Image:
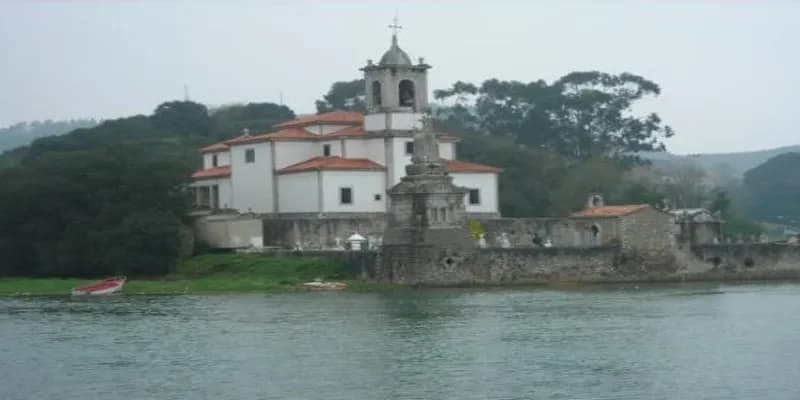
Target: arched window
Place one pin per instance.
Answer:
(406, 92)
(376, 93)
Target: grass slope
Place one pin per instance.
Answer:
(211, 273)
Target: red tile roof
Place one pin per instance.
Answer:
(211, 173)
(283, 134)
(331, 118)
(333, 163)
(350, 131)
(609, 211)
(468, 167)
(214, 148)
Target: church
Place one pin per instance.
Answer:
(342, 162)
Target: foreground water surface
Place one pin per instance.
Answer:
(704, 341)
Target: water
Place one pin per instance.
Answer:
(653, 342)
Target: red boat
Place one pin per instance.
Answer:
(107, 286)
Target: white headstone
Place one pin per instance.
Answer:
(482, 241)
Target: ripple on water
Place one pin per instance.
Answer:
(702, 341)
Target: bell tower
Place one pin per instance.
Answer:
(396, 90)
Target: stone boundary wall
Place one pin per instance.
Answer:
(526, 266)
(744, 261)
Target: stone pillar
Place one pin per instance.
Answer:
(426, 240)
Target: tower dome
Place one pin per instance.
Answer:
(395, 55)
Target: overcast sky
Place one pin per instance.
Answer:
(729, 70)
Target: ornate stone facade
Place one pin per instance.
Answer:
(426, 225)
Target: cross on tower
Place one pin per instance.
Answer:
(395, 26)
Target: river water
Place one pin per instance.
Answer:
(693, 341)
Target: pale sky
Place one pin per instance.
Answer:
(729, 70)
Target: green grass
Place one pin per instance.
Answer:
(213, 273)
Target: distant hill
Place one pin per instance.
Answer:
(733, 163)
(23, 133)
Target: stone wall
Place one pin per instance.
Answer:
(521, 231)
(228, 231)
(648, 237)
(745, 261)
(426, 266)
(313, 232)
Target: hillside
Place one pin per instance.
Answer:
(23, 133)
(733, 163)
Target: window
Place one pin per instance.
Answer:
(214, 160)
(474, 196)
(409, 148)
(377, 197)
(326, 150)
(376, 94)
(346, 195)
(250, 155)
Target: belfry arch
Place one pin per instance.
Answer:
(376, 94)
(406, 93)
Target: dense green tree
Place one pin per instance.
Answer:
(343, 96)
(593, 176)
(582, 114)
(232, 120)
(69, 213)
(721, 203)
(182, 117)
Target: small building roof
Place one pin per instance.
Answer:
(333, 163)
(609, 211)
(283, 134)
(330, 118)
(214, 148)
(468, 167)
(350, 131)
(213, 173)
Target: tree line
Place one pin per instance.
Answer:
(113, 199)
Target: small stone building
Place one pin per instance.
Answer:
(639, 229)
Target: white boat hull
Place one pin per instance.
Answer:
(106, 287)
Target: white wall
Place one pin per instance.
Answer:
(402, 121)
(377, 150)
(400, 158)
(223, 158)
(288, 153)
(486, 183)
(298, 192)
(336, 147)
(447, 151)
(324, 129)
(252, 182)
(365, 185)
(371, 148)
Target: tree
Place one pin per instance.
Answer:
(343, 95)
(182, 117)
(581, 115)
(593, 176)
(686, 186)
(721, 203)
(232, 120)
